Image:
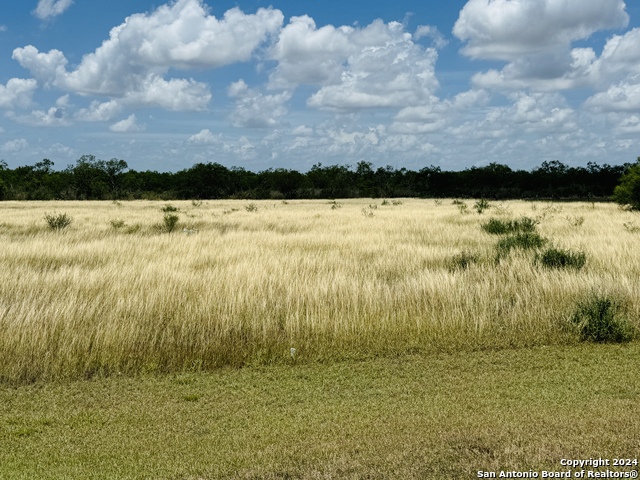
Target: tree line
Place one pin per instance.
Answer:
(94, 179)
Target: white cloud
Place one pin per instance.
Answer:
(506, 30)
(51, 8)
(254, 109)
(624, 97)
(53, 117)
(539, 52)
(203, 137)
(433, 33)
(3, 28)
(302, 131)
(128, 125)
(17, 92)
(131, 64)
(345, 62)
(14, 146)
(99, 112)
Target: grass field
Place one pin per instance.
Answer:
(436, 417)
(425, 347)
(241, 283)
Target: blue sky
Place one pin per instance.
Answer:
(289, 84)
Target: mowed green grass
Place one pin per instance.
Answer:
(428, 416)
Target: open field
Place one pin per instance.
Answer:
(241, 283)
(437, 417)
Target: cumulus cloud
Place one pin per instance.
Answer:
(254, 109)
(17, 92)
(132, 63)
(539, 52)
(203, 137)
(14, 146)
(99, 111)
(622, 97)
(433, 33)
(346, 63)
(505, 30)
(53, 117)
(128, 125)
(51, 8)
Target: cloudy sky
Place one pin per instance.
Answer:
(290, 83)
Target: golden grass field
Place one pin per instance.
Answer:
(233, 287)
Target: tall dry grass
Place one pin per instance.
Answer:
(245, 286)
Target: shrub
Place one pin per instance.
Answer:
(598, 320)
(463, 260)
(170, 222)
(252, 207)
(558, 258)
(496, 226)
(169, 208)
(117, 223)
(481, 205)
(522, 241)
(58, 221)
(627, 193)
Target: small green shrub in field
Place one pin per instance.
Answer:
(598, 320)
(495, 226)
(481, 205)
(252, 207)
(559, 258)
(385, 202)
(520, 241)
(196, 203)
(170, 222)
(462, 261)
(117, 223)
(58, 221)
(168, 208)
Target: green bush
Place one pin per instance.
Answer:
(169, 208)
(462, 261)
(559, 258)
(481, 205)
(117, 223)
(598, 320)
(252, 207)
(627, 193)
(170, 222)
(521, 241)
(58, 221)
(496, 226)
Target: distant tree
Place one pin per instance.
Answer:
(628, 191)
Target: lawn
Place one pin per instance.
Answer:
(440, 416)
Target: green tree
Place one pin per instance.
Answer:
(628, 191)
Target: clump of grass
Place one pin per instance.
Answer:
(481, 205)
(631, 227)
(519, 241)
(252, 207)
(117, 223)
(396, 202)
(168, 208)
(575, 221)
(385, 202)
(559, 258)
(368, 211)
(496, 226)
(598, 320)
(57, 221)
(170, 222)
(463, 260)
(196, 203)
